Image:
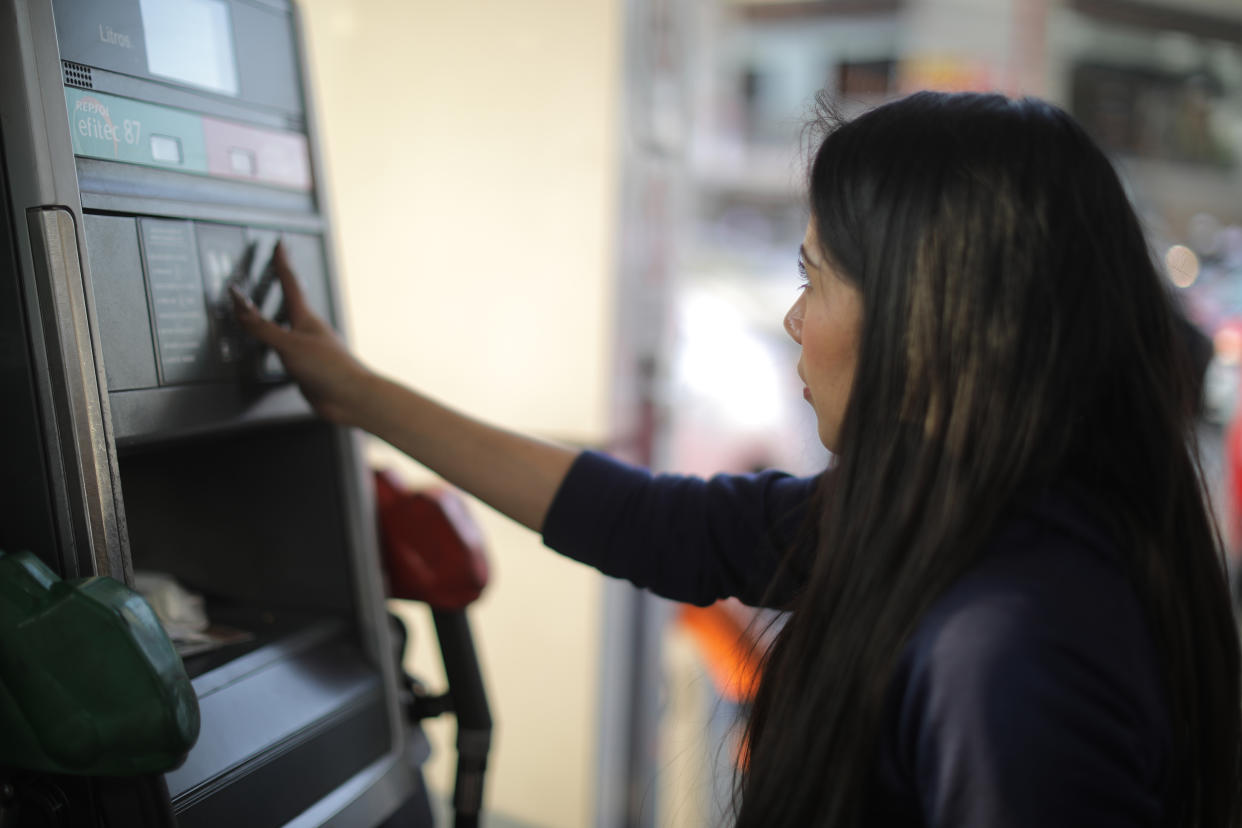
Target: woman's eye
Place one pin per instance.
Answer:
(806, 280)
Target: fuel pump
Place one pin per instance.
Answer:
(151, 154)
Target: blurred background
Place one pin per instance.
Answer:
(581, 219)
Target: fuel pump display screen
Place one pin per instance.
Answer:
(191, 41)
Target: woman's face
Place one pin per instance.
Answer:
(826, 321)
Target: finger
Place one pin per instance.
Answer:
(295, 299)
(253, 321)
(241, 270)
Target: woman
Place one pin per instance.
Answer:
(1008, 599)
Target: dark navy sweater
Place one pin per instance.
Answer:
(1029, 694)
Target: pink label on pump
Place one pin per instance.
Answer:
(255, 154)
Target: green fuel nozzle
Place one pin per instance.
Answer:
(89, 682)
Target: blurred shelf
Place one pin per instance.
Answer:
(274, 634)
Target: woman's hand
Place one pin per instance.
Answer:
(331, 379)
(516, 474)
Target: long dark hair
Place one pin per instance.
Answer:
(1016, 336)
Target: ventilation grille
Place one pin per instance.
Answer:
(77, 74)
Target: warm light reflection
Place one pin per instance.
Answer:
(1228, 342)
(1182, 265)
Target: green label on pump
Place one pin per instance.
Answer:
(118, 129)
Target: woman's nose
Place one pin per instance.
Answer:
(793, 321)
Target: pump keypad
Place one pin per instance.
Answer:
(189, 267)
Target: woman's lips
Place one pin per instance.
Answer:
(806, 393)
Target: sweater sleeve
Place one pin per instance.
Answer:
(685, 538)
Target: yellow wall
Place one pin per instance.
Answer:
(471, 158)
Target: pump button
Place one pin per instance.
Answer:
(165, 149)
(241, 161)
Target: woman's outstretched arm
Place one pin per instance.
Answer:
(513, 473)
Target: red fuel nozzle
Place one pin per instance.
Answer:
(432, 549)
